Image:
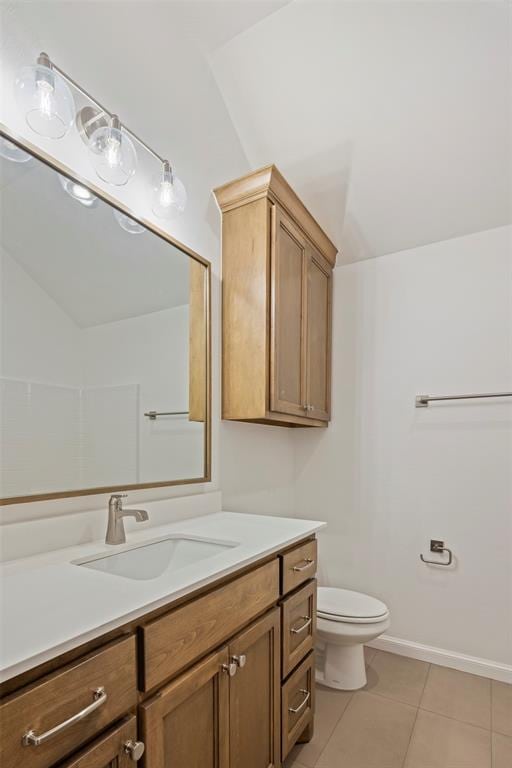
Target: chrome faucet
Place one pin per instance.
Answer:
(115, 528)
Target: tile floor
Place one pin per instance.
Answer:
(411, 715)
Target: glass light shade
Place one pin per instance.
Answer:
(78, 192)
(128, 224)
(46, 101)
(11, 152)
(112, 154)
(169, 194)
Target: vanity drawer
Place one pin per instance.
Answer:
(298, 565)
(297, 703)
(109, 749)
(172, 642)
(42, 707)
(298, 626)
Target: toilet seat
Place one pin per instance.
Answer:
(344, 605)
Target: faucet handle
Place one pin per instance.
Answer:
(119, 496)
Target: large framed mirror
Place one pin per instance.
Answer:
(105, 342)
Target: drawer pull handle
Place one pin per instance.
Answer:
(30, 739)
(134, 749)
(240, 661)
(307, 696)
(298, 630)
(230, 669)
(308, 562)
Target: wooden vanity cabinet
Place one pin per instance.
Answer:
(224, 679)
(276, 304)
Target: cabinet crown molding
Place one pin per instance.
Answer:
(269, 182)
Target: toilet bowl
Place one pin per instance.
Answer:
(345, 621)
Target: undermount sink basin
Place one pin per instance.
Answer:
(154, 558)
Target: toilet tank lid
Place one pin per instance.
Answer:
(343, 602)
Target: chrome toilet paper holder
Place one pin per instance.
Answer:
(438, 546)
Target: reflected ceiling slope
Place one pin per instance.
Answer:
(77, 254)
(391, 119)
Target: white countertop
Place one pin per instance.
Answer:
(48, 605)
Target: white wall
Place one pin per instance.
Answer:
(389, 477)
(154, 75)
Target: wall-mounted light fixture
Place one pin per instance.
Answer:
(44, 95)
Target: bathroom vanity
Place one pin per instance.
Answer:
(190, 646)
(219, 674)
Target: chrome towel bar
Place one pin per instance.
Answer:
(154, 414)
(422, 401)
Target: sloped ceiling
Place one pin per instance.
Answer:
(391, 119)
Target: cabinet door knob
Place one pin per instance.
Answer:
(240, 661)
(230, 669)
(134, 749)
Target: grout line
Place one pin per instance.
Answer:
(417, 713)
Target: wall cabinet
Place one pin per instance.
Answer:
(225, 680)
(276, 305)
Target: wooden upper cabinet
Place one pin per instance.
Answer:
(276, 304)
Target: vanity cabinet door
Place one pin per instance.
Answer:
(287, 355)
(186, 724)
(254, 693)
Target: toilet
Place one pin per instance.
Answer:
(345, 621)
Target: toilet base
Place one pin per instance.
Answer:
(343, 667)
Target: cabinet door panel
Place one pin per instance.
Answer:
(186, 724)
(318, 354)
(254, 695)
(287, 369)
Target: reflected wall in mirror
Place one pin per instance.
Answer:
(101, 325)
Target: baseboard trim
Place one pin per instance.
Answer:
(471, 664)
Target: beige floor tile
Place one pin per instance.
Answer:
(501, 751)
(458, 695)
(501, 695)
(439, 742)
(330, 705)
(397, 677)
(373, 733)
(369, 653)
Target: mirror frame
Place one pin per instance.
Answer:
(59, 167)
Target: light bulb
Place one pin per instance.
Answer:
(11, 152)
(112, 153)
(45, 99)
(78, 192)
(128, 224)
(169, 194)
